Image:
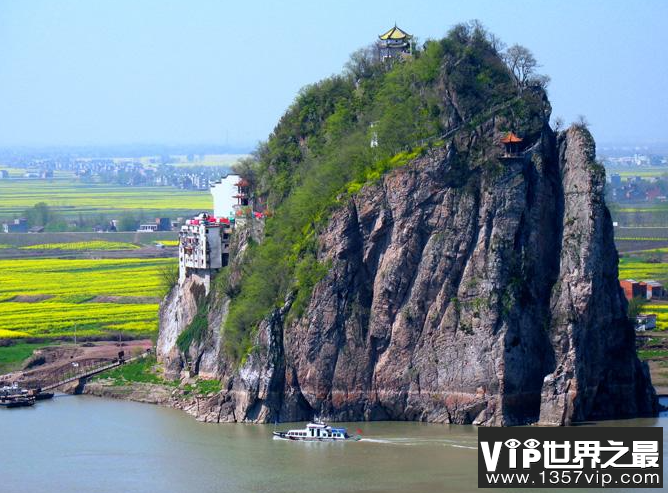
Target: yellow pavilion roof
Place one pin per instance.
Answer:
(395, 33)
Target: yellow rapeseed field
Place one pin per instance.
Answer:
(50, 297)
(168, 242)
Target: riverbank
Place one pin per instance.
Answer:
(140, 381)
(185, 397)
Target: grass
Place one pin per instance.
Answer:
(141, 370)
(204, 387)
(11, 357)
(84, 245)
(169, 243)
(652, 354)
(70, 285)
(145, 371)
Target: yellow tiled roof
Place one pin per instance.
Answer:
(395, 33)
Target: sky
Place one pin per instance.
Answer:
(110, 72)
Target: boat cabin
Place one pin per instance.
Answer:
(317, 431)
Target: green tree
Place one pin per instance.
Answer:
(128, 222)
(635, 307)
(39, 215)
(521, 63)
(169, 276)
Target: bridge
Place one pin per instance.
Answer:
(87, 373)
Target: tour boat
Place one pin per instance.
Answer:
(315, 432)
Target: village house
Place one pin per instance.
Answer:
(649, 289)
(16, 226)
(633, 289)
(655, 290)
(161, 224)
(645, 321)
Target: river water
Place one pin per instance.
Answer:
(87, 444)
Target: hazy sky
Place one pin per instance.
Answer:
(222, 72)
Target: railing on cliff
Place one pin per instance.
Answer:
(482, 116)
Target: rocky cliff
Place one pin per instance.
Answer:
(462, 286)
(454, 295)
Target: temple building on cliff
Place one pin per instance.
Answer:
(512, 146)
(394, 43)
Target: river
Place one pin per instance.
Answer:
(75, 444)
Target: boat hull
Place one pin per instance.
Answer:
(17, 402)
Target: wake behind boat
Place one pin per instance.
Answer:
(315, 432)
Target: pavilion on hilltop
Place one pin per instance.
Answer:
(395, 43)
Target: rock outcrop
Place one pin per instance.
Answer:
(457, 293)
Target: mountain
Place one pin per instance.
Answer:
(410, 267)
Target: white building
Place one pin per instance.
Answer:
(223, 192)
(204, 247)
(147, 228)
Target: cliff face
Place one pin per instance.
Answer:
(456, 294)
(176, 312)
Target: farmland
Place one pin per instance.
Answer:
(20, 240)
(83, 245)
(635, 268)
(48, 298)
(645, 173)
(71, 198)
(634, 239)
